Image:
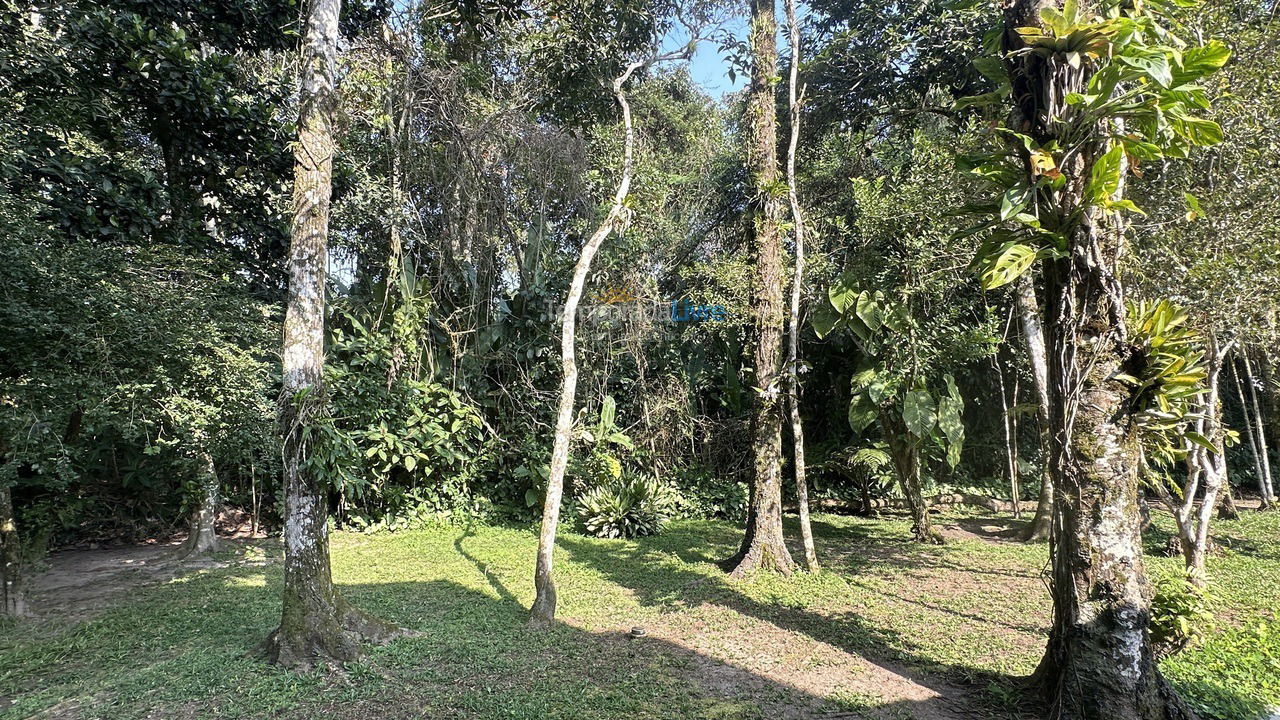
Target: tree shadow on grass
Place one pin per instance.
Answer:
(655, 581)
(186, 649)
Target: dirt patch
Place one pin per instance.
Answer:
(81, 583)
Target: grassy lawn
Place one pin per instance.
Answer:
(888, 630)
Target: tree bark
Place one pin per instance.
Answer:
(797, 287)
(543, 611)
(202, 538)
(1033, 336)
(906, 464)
(317, 625)
(763, 547)
(13, 598)
(1099, 663)
(1249, 428)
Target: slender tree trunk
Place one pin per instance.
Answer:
(906, 464)
(797, 287)
(543, 611)
(1249, 429)
(1264, 456)
(202, 538)
(317, 625)
(763, 546)
(1033, 336)
(13, 598)
(1099, 663)
(1010, 447)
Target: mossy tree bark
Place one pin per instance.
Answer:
(1099, 663)
(1033, 337)
(797, 288)
(13, 598)
(317, 625)
(202, 538)
(763, 547)
(906, 464)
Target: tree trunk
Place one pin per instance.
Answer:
(1249, 429)
(1099, 663)
(1227, 509)
(1033, 336)
(1260, 428)
(202, 538)
(906, 464)
(543, 611)
(762, 544)
(1010, 432)
(797, 286)
(317, 625)
(13, 598)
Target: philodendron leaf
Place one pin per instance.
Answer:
(919, 412)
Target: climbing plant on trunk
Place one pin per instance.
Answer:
(763, 546)
(1095, 88)
(317, 625)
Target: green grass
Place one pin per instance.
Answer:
(970, 614)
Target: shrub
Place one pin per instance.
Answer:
(627, 508)
(1179, 616)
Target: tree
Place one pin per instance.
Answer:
(13, 598)
(1091, 86)
(1033, 337)
(544, 603)
(317, 624)
(763, 546)
(795, 104)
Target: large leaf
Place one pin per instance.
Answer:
(1006, 264)
(919, 412)
(950, 411)
(824, 320)
(1104, 179)
(862, 412)
(867, 308)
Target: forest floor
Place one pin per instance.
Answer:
(888, 631)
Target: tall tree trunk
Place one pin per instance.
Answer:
(543, 611)
(1033, 336)
(317, 625)
(202, 538)
(797, 287)
(13, 598)
(906, 465)
(763, 546)
(1099, 663)
(1249, 428)
(1260, 429)
(1010, 435)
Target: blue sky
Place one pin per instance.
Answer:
(708, 68)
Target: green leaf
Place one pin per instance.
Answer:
(950, 410)
(862, 412)
(1202, 441)
(868, 310)
(1104, 179)
(1016, 199)
(824, 320)
(919, 412)
(1006, 264)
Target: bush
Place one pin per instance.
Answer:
(627, 508)
(1179, 616)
